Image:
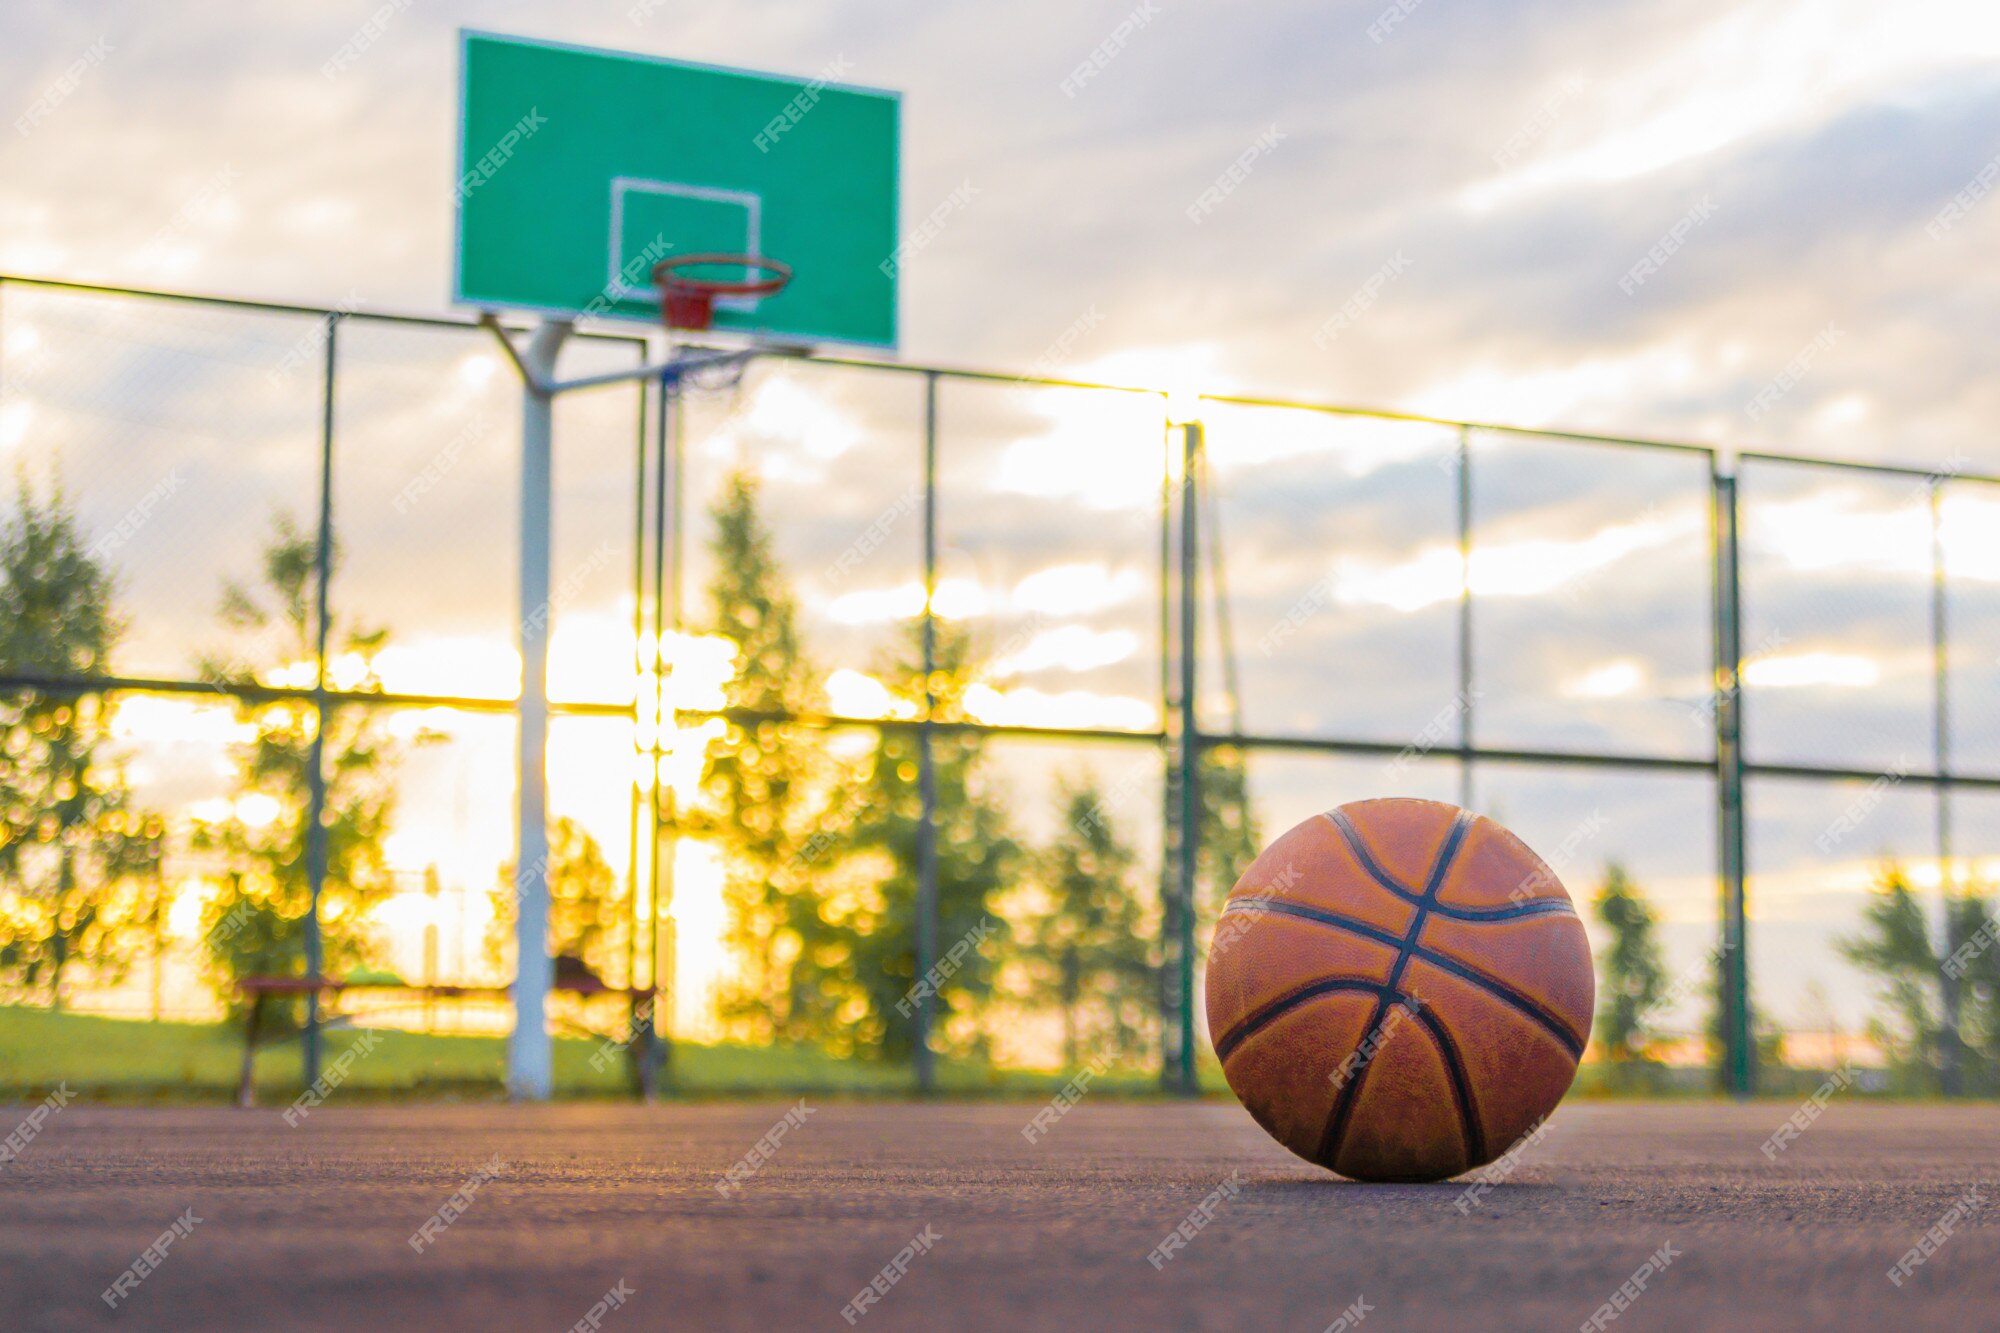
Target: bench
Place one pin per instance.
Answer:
(259, 990)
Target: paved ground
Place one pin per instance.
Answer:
(308, 1228)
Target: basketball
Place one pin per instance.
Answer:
(1399, 990)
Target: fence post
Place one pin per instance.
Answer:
(1733, 989)
(1951, 1057)
(640, 668)
(1170, 769)
(316, 832)
(1190, 750)
(1465, 617)
(927, 858)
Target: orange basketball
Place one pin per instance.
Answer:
(1399, 990)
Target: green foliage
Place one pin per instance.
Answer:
(74, 853)
(1630, 969)
(1087, 947)
(1894, 947)
(1767, 1039)
(765, 787)
(976, 858)
(1230, 839)
(255, 926)
(588, 919)
(1919, 985)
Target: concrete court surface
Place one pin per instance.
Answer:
(309, 1228)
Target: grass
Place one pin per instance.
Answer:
(110, 1059)
(118, 1060)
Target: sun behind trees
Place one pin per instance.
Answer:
(255, 924)
(766, 790)
(818, 836)
(1087, 946)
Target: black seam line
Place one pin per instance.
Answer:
(1461, 1087)
(1343, 1104)
(1501, 991)
(1280, 907)
(1352, 837)
(1493, 986)
(1263, 1017)
(1534, 907)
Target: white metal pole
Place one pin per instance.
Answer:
(529, 1053)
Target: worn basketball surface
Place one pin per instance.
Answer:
(1399, 990)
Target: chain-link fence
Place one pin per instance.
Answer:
(869, 673)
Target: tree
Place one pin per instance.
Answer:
(1916, 982)
(256, 924)
(1087, 946)
(1634, 976)
(976, 857)
(1971, 965)
(1230, 839)
(766, 785)
(73, 849)
(587, 915)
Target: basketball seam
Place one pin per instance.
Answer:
(1533, 907)
(1461, 1086)
(1493, 986)
(1272, 1010)
(1343, 1104)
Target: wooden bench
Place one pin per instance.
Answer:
(262, 989)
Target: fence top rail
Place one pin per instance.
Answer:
(1710, 451)
(1939, 476)
(1492, 427)
(286, 308)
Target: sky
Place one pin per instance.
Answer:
(1519, 158)
(1443, 207)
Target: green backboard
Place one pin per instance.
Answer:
(579, 169)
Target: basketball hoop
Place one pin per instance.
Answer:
(687, 300)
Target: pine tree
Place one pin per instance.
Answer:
(1631, 967)
(976, 858)
(1087, 947)
(256, 925)
(73, 850)
(765, 785)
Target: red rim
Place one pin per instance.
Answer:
(688, 302)
(666, 274)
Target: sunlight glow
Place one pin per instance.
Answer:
(1075, 589)
(1836, 529)
(15, 419)
(477, 371)
(1801, 670)
(1069, 648)
(1509, 569)
(1611, 681)
(855, 694)
(1072, 708)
